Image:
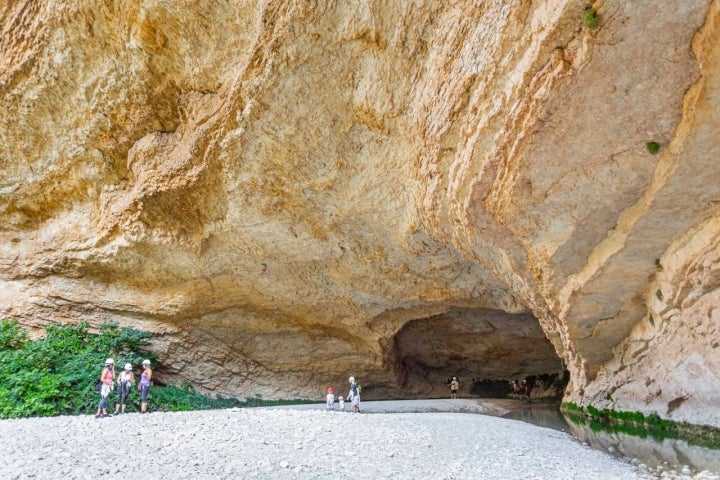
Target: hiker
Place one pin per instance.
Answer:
(330, 398)
(125, 381)
(354, 395)
(515, 387)
(526, 389)
(341, 402)
(454, 387)
(144, 385)
(107, 379)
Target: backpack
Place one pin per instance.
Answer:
(98, 386)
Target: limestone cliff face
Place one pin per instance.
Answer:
(289, 192)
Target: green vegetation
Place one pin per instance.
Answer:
(659, 295)
(591, 19)
(56, 375)
(652, 147)
(640, 425)
(658, 265)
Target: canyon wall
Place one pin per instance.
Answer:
(290, 192)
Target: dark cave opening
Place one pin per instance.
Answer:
(484, 348)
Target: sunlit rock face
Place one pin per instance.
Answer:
(291, 192)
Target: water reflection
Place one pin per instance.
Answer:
(670, 454)
(548, 416)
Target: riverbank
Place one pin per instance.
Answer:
(301, 442)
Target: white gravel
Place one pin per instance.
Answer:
(298, 444)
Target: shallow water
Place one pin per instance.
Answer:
(548, 416)
(669, 454)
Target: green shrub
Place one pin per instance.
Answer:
(572, 407)
(591, 19)
(56, 375)
(11, 335)
(652, 147)
(183, 398)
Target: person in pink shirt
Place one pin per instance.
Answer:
(107, 377)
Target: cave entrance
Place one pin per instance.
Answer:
(484, 348)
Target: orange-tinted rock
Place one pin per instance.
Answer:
(291, 192)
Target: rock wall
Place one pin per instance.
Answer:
(289, 192)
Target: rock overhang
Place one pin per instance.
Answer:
(318, 170)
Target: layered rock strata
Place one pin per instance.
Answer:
(287, 192)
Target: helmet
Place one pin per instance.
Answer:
(330, 390)
(109, 361)
(128, 366)
(351, 379)
(146, 362)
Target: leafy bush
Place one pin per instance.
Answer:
(56, 375)
(652, 147)
(591, 19)
(184, 397)
(11, 336)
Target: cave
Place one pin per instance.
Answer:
(484, 348)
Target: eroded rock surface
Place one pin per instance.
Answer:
(288, 192)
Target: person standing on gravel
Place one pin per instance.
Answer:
(454, 387)
(354, 395)
(330, 398)
(107, 377)
(125, 380)
(144, 385)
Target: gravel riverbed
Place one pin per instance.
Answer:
(299, 444)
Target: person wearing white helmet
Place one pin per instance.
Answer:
(107, 379)
(145, 384)
(354, 395)
(125, 380)
(454, 387)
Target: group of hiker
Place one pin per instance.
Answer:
(518, 390)
(353, 397)
(124, 380)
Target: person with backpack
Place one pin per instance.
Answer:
(354, 395)
(454, 387)
(107, 380)
(125, 381)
